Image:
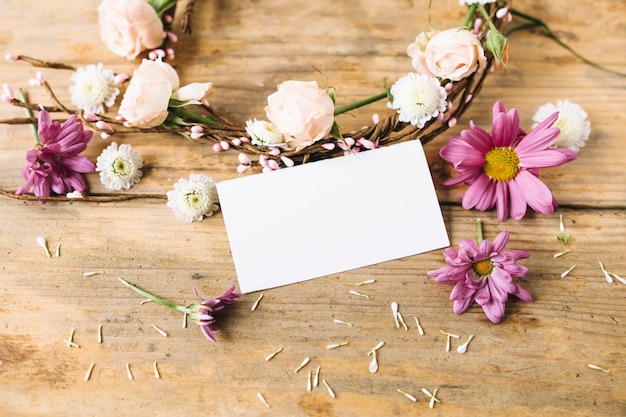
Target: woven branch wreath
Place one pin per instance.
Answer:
(451, 66)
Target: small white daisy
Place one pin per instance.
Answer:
(94, 87)
(194, 198)
(418, 98)
(575, 128)
(264, 133)
(119, 167)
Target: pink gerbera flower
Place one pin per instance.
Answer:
(55, 164)
(501, 168)
(483, 273)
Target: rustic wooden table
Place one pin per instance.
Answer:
(534, 362)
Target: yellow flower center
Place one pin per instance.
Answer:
(501, 164)
(483, 268)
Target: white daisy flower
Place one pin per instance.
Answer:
(194, 198)
(575, 128)
(264, 133)
(94, 88)
(418, 98)
(119, 167)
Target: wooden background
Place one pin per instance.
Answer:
(534, 362)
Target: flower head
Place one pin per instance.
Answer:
(93, 89)
(55, 165)
(417, 98)
(264, 134)
(202, 312)
(501, 167)
(194, 198)
(119, 167)
(572, 120)
(483, 273)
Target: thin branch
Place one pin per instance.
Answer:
(92, 198)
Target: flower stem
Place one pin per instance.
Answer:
(483, 11)
(361, 103)
(29, 114)
(479, 230)
(155, 298)
(540, 23)
(470, 13)
(189, 115)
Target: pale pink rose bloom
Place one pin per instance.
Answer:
(127, 27)
(302, 111)
(451, 54)
(149, 91)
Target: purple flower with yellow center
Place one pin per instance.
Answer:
(502, 167)
(483, 273)
(201, 312)
(54, 165)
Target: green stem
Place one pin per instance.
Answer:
(156, 299)
(479, 230)
(29, 114)
(361, 103)
(540, 23)
(483, 11)
(191, 116)
(470, 13)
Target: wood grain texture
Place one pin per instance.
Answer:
(534, 362)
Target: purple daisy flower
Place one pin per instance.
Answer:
(502, 168)
(483, 273)
(55, 164)
(202, 313)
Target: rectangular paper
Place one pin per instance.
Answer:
(331, 216)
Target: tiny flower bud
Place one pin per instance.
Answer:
(274, 151)
(499, 47)
(172, 36)
(11, 57)
(287, 161)
(375, 118)
(103, 125)
(104, 135)
(197, 136)
(236, 142)
(90, 117)
(6, 98)
(273, 164)
(244, 139)
(39, 76)
(217, 147)
(225, 145)
(197, 129)
(120, 78)
(244, 159)
(328, 146)
(242, 168)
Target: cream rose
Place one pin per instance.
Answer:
(302, 111)
(127, 27)
(146, 100)
(451, 54)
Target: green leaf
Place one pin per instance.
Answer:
(332, 93)
(161, 6)
(335, 132)
(174, 121)
(181, 103)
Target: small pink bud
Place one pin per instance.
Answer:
(502, 12)
(39, 76)
(448, 87)
(217, 147)
(225, 145)
(11, 57)
(197, 129)
(8, 90)
(328, 146)
(205, 102)
(152, 56)
(366, 143)
(74, 194)
(287, 161)
(236, 142)
(342, 146)
(169, 18)
(197, 136)
(267, 169)
(160, 53)
(90, 117)
(33, 82)
(452, 122)
(242, 168)
(120, 118)
(356, 150)
(244, 159)
(103, 125)
(170, 53)
(6, 98)
(274, 151)
(273, 164)
(120, 78)
(172, 37)
(375, 118)
(350, 142)
(468, 98)
(263, 160)
(104, 135)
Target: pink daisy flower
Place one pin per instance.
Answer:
(55, 164)
(502, 167)
(483, 273)
(202, 313)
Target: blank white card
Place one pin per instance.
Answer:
(331, 216)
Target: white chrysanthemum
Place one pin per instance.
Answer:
(418, 98)
(575, 128)
(264, 133)
(94, 87)
(119, 167)
(194, 198)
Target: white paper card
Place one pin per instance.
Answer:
(331, 216)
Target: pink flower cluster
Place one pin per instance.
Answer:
(55, 165)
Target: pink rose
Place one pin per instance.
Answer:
(302, 111)
(128, 27)
(451, 54)
(146, 100)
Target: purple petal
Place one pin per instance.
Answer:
(543, 159)
(537, 195)
(476, 191)
(461, 306)
(499, 243)
(494, 310)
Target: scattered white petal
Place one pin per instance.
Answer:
(263, 400)
(92, 273)
(42, 242)
(463, 348)
(157, 374)
(329, 389)
(128, 372)
(161, 332)
(406, 394)
(342, 322)
(256, 303)
(271, 355)
(558, 255)
(89, 371)
(369, 281)
(598, 368)
(358, 294)
(566, 273)
(305, 361)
